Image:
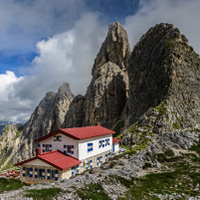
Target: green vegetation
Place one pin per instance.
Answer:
(161, 108)
(126, 182)
(7, 155)
(196, 148)
(112, 163)
(146, 165)
(10, 184)
(43, 194)
(8, 165)
(169, 152)
(170, 43)
(132, 129)
(129, 152)
(93, 191)
(182, 179)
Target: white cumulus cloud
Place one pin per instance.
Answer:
(183, 14)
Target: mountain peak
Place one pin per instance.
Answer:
(115, 48)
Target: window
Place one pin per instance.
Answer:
(40, 173)
(27, 171)
(100, 143)
(57, 138)
(47, 147)
(90, 147)
(52, 174)
(69, 150)
(107, 141)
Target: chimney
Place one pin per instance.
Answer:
(38, 151)
(98, 124)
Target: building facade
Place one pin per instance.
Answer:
(67, 152)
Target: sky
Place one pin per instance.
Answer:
(45, 43)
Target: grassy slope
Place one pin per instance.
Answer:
(180, 175)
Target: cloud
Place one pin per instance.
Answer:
(65, 57)
(7, 83)
(23, 23)
(183, 14)
(73, 40)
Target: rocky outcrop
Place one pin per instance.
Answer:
(47, 117)
(164, 74)
(9, 142)
(75, 114)
(107, 92)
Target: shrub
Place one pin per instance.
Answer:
(169, 152)
(43, 194)
(146, 165)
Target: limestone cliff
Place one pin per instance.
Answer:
(164, 81)
(107, 93)
(47, 117)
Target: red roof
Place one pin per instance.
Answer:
(55, 158)
(80, 133)
(115, 140)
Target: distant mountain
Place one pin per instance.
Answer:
(2, 125)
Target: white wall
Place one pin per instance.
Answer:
(59, 145)
(116, 147)
(37, 162)
(83, 148)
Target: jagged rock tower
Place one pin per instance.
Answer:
(164, 81)
(107, 93)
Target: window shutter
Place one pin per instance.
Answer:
(43, 150)
(65, 146)
(98, 161)
(35, 172)
(43, 173)
(54, 138)
(72, 171)
(72, 152)
(106, 158)
(101, 160)
(56, 175)
(48, 173)
(90, 163)
(99, 143)
(72, 146)
(65, 152)
(77, 168)
(43, 145)
(108, 141)
(60, 138)
(24, 171)
(31, 172)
